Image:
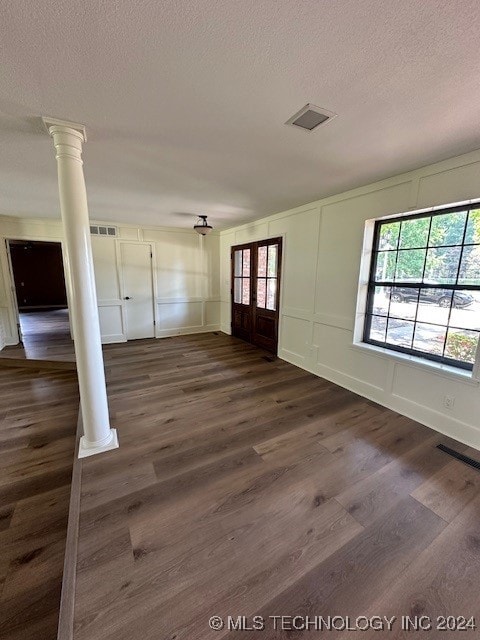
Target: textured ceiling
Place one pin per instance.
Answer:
(185, 100)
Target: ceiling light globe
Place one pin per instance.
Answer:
(202, 227)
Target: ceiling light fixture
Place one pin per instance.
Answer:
(201, 226)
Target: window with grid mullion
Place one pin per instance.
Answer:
(430, 262)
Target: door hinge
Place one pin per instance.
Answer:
(151, 254)
(154, 323)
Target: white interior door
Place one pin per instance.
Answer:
(137, 280)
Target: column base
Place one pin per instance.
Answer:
(85, 450)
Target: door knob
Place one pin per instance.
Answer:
(127, 298)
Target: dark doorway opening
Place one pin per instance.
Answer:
(38, 275)
(41, 295)
(256, 269)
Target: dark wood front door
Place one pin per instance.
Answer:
(256, 292)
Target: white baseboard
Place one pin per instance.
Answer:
(293, 358)
(447, 425)
(437, 421)
(114, 338)
(165, 333)
(183, 331)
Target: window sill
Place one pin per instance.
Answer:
(437, 368)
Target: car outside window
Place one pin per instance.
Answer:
(424, 285)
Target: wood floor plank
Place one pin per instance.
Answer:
(109, 487)
(260, 568)
(317, 430)
(37, 436)
(46, 337)
(376, 494)
(242, 485)
(348, 581)
(450, 489)
(444, 580)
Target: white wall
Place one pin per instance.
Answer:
(322, 253)
(185, 273)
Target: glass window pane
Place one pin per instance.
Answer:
(472, 235)
(385, 266)
(434, 306)
(403, 303)
(245, 290)
(400, 333)
(447, 229)
(237, 291)
(246, 263)
(420, 313)
(261, 292)
(388, 236)
(410, 265)
(442, 265)
(262, 261)
(466, 310)
(271, 293)
(378, 328)
(272, 261)
(429, 338)
(381, 300)
(414, 233)
(237, 261)
(461, 345)
(470, 266)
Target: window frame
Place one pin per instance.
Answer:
(371, 253)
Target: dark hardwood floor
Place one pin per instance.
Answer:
(245, 486)
(38, 419)
(45, 335)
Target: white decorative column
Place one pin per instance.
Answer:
(68, 139)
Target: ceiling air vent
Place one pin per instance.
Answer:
(100, 230)
(310, 117)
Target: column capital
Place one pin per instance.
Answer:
(53, 125)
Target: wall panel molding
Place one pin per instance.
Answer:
(183, 263)
(301, 314)
(317, 321)
(339, 322)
